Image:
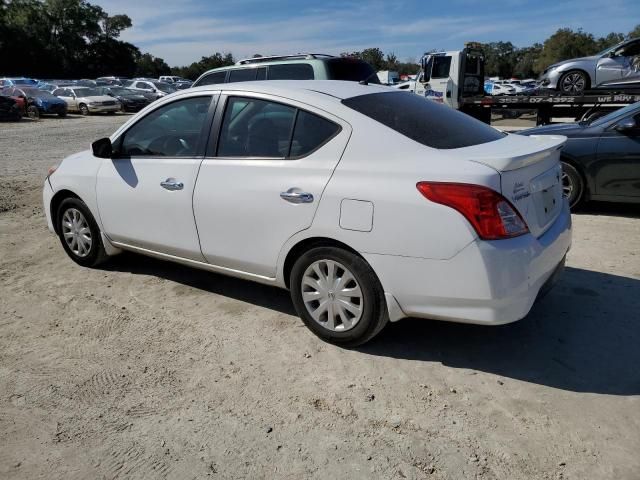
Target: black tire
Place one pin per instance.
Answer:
(96, 253)
(62, 114)
(374, 314)
(573, 82)
(33, 112)
(84, 110)
(111, 113)
(572, 184)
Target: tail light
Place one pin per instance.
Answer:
(492, 216)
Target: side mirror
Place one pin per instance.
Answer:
(102, 148)
(626, 126)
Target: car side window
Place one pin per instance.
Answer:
(293, 71)
(259, 128)
(173, 130)
(142, 85)
(441, 66)
(242, 75)
(213, 78)
(255, 128)
(310, 133)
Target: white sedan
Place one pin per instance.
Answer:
(369, 204)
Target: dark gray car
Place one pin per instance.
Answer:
(601, 159)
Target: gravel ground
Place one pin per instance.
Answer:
(144, 369)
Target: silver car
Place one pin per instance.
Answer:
(616, 67)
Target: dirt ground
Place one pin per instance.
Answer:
(144, 369)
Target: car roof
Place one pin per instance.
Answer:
(300, 89)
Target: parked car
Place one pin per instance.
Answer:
(493, 88)
(18, 96)
(86, 100)
(172, 79)
(154, 87)
(9, 109)
(617, 67)
(181, 85)
(295, 188)
(18, 81)
(130, 100)
(601, 159)
(38, 102)
(111, 81)
(309, 66)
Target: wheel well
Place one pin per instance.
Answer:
(306, 245)
(578, 167)
(586, 74)
(55, 203)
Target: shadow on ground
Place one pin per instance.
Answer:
(629, 210)
(584, 336)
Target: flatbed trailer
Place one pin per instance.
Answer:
(547, 106)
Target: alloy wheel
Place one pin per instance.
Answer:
(573, 83)
(567, 185)
(332, 295)
(76, 232)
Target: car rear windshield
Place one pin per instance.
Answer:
(424, 121)
(351, 69)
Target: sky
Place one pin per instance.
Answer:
(182, 31)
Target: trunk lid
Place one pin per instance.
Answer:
(530, 174)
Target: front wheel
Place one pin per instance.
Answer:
(572, 184)
(79, 233)
(84, 110)
(33, 112)
(338, 296)
(573, 82)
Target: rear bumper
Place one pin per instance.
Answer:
(488, 282)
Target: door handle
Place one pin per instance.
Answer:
(293, 195)
(172, 184)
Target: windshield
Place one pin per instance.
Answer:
(87, 92)
(424, 121)
(164, 87)
(34, 92)
(615, 115)
(607, 50)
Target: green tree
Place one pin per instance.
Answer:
(149, 66)
(196, 69)
(563, 45)
(500, 58)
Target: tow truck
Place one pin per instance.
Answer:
(456, 78)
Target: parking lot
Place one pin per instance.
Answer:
(146, 369)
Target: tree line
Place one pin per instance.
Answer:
(78, 39)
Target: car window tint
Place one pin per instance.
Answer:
(424, 121)
(310, 132)
(213, 78)
(242, 75)
(255, 128)
(293, 71)
(350, 69)
(262, 73)
(173, 130)
(441, 65)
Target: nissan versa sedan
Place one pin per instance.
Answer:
(601, 159)
(368, 203)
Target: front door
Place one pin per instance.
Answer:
(68, 96)
(617, 167)
(440, 88)
(622, 65)
(263, 182)
(145, 192)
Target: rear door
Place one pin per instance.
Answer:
(261, 182)
(145, 193)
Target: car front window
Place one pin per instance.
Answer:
(618, 114)
(173, 130)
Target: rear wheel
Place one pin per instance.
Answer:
(79, 233)
(62, 114)
(84, 110)
(338, 296)
(572, 184)
(574, 82)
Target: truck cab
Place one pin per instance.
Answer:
(448, 77)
